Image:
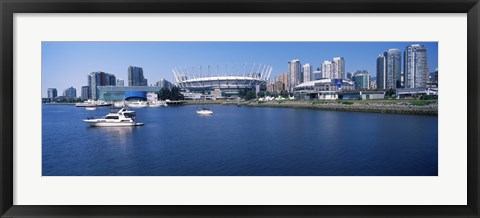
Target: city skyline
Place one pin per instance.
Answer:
(67, 64)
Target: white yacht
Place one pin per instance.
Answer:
(205, 111)
(122, 117)
(119, 104)
(157, 103)
(93, 103)
(137, 104)
(90, 108)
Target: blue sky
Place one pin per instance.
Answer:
(66, 64)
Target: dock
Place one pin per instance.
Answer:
(175, 102)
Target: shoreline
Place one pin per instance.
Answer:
(407, 107)
(403, 106)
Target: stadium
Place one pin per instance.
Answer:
(198, 84)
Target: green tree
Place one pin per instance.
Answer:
(390, 93)
(173, 94)
(250, 95)
(261, 94)
(163, 94)
(176, 94)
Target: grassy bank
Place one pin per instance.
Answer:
(394, 106)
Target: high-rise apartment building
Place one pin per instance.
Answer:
(327, 70)
(338, 68)
(85, 92)
(307, 73)
(70, 92)
(135, 77)
(99, 78)
(416, 71)
(295, 74)
(51, 92)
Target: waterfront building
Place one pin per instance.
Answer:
(85, 92)
(51, 93)
(362, 81)
(327, 70)
(128, 93)
(381, 72)
(322, 89)
(307, 72)
(222, 86)
(99, 78)
(120, 82)
(70, 93)
(163, 83)
(416, 67)
(338, 68)
(393, 68)
(136, 77)
(415, 92)
(295, 74)
(362, 95)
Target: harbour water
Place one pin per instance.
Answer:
(239, 141)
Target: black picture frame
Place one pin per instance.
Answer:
(9, 7)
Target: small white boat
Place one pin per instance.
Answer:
(157, 103)
(205, 111)
(93, 103)
(119, 104)
(90, 108)
(122, 117)
(137, 104)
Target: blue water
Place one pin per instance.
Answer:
(239, 141)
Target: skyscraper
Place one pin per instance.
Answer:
(416, 67)
(70, 92)
(135, 77)
(338, 65)
(120, 82)
(381, 71)
(307, 72)
(393, 68)
(295, 74)
(99, 78)
(52, 92)
(85, 92)
(282, 82)
(327, 70)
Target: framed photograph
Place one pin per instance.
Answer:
(239, 108)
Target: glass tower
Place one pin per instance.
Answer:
(393, 68)
(135, 77)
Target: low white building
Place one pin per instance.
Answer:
(322, 89)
